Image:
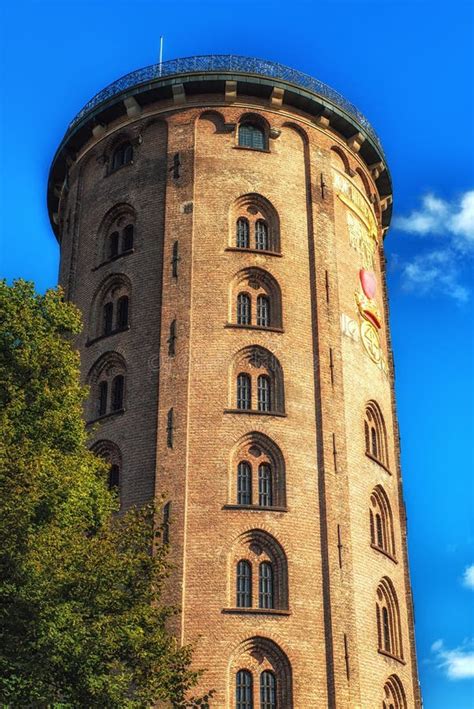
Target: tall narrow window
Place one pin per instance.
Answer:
(128, 237)
(251, 136)
(103, 389)
(244, 483)
(176, 166)
(114, 477)
(381, 522)
(373, 443)
(263, 311)
(108, 318)
(175, 260)
(375, 434)
(243, 309)
(122, 312)
(243, 690)
(386, 630)
(264, 485)
(166, 522)
(267, 690)
(261, 236)
(389, 631)
(243, 392)
(114, 244)
(264, 393)
(117, 392)
(265, 585)
(172, 339)
(169, 428)
(244, 584)
(243, 235)
(379, 532)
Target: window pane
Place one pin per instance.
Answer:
(243, 391)
(261, 236)
(243, 238)
(243, 309)
(264, 398)
(244, 584)
(251, 136)
(267, 690)
(122, 312)
(113, 244)
(114, 477)
(128, 237)
(117, 393)
(243, 690)
(244, 484)
(264, 485)
(263, 311)
(265, 585)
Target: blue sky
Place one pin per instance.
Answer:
(409, 67)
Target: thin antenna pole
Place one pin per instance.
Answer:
(161, 55)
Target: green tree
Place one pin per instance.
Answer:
(81, 622)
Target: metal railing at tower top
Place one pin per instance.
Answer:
(228, 63)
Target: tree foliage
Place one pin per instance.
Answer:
(81, 622)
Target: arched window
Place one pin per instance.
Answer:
(244, 483)
(243, 392)
(251, 136)
(388, 620)
(263, 311)
(108, 318)
(244, 584)
(375, 434)
(393, 694)
(103, 394)
(259, 559)
(243, 690)
(264, 393)
(267, 690)
(258, 473)
(117, 392)
(265, 585)
(259, 379)
(243, 309)
(110, 312)
(113, 240)
(269, 679)
(116, 233)
(265, 485)
(128, 237)
(261, 236)
(122, 312)
(262, 304)
(110, 452)
(243, 233)
(381, 522)
(123, 155)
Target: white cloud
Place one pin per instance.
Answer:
(468, 577)
(457, 663)
(438, 216)
(440, 268)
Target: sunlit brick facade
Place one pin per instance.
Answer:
(221, 226)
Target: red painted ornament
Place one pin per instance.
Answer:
(368, 282)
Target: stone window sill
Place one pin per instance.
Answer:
(385, 553)
(256, 508)
(264, 252)
(253, 327)
(104, 417)
(254, 413)
(113, 258)
(256, 611)
(109, 334)
(379, 462)
(254, 150)
(392, 657)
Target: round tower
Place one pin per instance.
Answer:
(221, 222)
